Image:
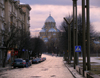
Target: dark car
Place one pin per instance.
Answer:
(19, 63)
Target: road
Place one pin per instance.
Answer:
(53, 67)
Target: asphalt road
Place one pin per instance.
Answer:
(53, 67)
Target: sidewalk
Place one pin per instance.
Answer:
(73, 71)
(7, 67)
(95, 60)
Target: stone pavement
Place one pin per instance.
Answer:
(71, 69)
(53, 67)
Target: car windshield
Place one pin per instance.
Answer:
(17, 60)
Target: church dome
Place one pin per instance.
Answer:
(52, 30)
(43, 30)
(43, 27)
(50, 19)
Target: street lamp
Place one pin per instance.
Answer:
(69, 38)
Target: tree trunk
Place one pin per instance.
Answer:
(4, 60)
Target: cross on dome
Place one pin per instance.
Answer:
(50, 19)
(50, 14)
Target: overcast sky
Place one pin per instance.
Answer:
(58, 9)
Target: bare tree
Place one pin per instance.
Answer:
(64, 37)
(23, 41)
(10, 37)
(37, 47)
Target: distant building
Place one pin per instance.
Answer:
(49, 30)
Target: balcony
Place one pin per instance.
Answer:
(28, 25)
(17, 18)
(12, 24)
(3, 7)
(22, 21)
(2, 18)
(1, 2)
(12, 14)
(11, 0)
(2, 31)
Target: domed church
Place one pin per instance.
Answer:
(49, 30)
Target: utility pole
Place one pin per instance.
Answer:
(83, 27)
(88, 36)
(69, 37)
(75, 32)
(73, 36)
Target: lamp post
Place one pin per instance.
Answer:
(88, 35)
(69, 37)
(75, 32)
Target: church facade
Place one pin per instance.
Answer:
(49, 30)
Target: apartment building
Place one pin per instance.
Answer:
(12, 15)
(2, 28)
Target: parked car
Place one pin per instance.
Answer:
(28, 62)
(44, 58)
(19, 63)
(41, 59)
(36, 60)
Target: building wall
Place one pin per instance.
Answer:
(26, 8)
(12, 14)
(2, 23)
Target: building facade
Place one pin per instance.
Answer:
(2, 23)
(12, 15)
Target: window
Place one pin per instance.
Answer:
(2, 26)
(2, 40)
(16, 13)
(2, 14)
(10, 8)
(0, 56)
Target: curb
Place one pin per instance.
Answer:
(73, 72)
(69, 70)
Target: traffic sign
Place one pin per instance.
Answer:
(77, 48)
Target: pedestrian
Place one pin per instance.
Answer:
(27, 62)
(52, 54)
